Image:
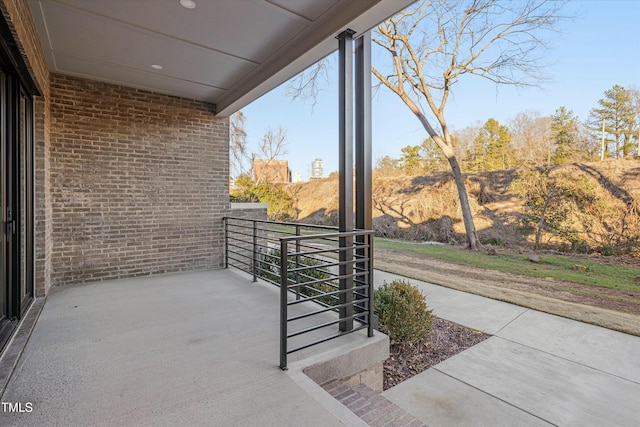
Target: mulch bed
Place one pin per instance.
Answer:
(446, 339)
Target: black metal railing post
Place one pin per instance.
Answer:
(297, 262)
(371, 316)
(346, 269)
(283, 303)
(226, 242)
(255, 251)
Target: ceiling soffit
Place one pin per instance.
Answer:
(226, 52)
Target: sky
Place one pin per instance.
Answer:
(596, 50)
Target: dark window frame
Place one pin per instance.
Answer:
(17, 189)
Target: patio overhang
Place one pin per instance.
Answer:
(227, 53)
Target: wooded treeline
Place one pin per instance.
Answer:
(612, 130)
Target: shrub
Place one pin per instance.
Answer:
(608, 251)
(402, 312)
(269, 269)
(281, 204)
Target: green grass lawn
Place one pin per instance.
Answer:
(599, 273)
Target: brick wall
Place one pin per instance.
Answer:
(42, 197)
(274, 171)
(139, 182)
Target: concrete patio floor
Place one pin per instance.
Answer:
(184, 349)
(202, 349)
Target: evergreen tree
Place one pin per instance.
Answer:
(564, 133)
(620, 122)
(492, 147)
(411, 160)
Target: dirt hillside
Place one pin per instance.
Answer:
(426, 207)
(602, 210)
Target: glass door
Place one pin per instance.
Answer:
(25, 200)
(16, 202)
(6, 213)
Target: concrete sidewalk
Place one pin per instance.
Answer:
(536, 369)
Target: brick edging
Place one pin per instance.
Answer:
(371, 407)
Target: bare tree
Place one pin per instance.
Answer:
(387, 166)
(463, 142)
(237, 144)
(272, 146)
(436, 43)
(532, 138)
(635, 101)
(273, 143)
(588, 145)
(308, 84)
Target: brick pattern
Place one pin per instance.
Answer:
(42, 196)
(139, 182)
(274, 171)
(371, 407)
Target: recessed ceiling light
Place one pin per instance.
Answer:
(189, 4)
(157, 67)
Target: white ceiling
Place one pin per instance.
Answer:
(226, 52)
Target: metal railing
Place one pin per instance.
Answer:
(325, 276)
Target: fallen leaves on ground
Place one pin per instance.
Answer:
(446, 339)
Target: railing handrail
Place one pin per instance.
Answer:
(328, 235)
(301, 224)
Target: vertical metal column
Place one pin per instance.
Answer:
(363, 131)
(345, 218)
(363, 164)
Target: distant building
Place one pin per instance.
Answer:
(297, 177)
(316, 169)
(274, 171)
